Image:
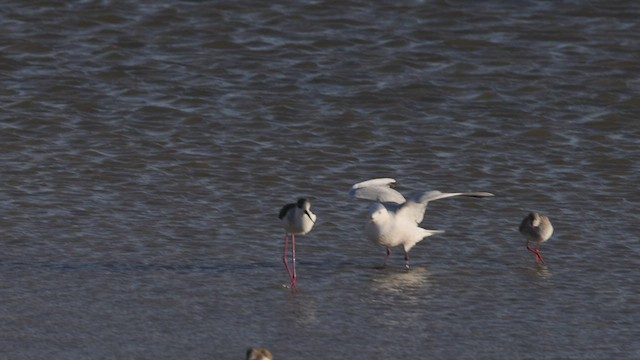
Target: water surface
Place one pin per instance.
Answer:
(147, 147)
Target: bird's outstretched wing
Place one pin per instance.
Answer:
(416, 204)
(377, 190)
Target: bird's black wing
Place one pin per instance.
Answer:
(284, 210)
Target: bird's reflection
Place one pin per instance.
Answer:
(304, 310)
(538, 273)
(542, 272)
(409, 284)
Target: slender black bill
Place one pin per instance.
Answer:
(309, 215)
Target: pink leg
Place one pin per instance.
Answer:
(293, 261)
(536, 252)
(406, 259)
(284, 260)
(385, 260)
(387, 257)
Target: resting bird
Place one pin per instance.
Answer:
(297, 219)
(536, 227)
(256, 353)
(393, 219)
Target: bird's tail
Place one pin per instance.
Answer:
(425, 234)
(428, 233)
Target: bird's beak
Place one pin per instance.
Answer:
(309, 215)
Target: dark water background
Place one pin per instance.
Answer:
(146, 148)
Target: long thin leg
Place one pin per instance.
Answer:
(284, 256)
(293, 261)
(406, 259)
(387, 257)
(385, 260)
(538, 252)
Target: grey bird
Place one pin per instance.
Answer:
(537, 228)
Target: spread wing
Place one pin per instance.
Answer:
(416, 205)
(377, 190)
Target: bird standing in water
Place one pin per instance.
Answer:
(536, 227)
(297, 219)
(393, 219)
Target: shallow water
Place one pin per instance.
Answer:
(147, 147)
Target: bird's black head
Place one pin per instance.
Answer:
(300, 203)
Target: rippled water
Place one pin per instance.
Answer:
(147, 147)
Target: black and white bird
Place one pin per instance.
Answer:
(297, 219)
(537, 228)
(394, 220)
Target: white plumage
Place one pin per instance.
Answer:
(393, 219)
(297, 219)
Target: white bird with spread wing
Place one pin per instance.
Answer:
(393, 219)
